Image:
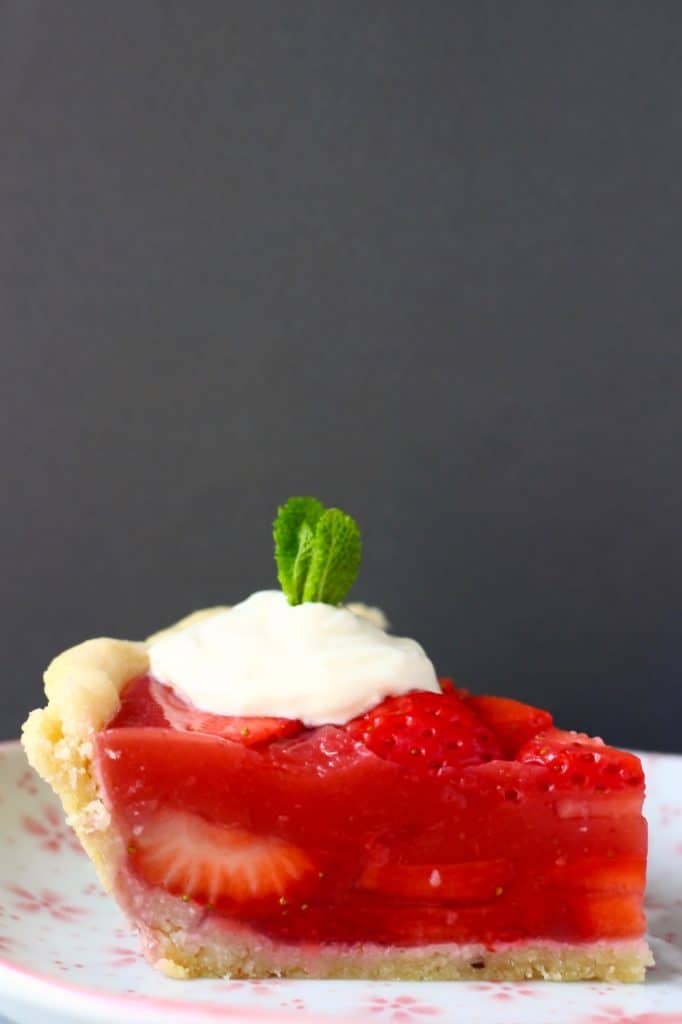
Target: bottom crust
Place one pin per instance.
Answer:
(184, 941)
(178, 956)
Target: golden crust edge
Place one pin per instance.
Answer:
(83, 686)
(84, 682)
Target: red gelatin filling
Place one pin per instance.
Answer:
(477, 822)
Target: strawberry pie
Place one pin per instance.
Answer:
(285, 788)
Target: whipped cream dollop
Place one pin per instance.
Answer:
(316, 662)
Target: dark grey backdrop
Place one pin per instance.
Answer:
(420, 259)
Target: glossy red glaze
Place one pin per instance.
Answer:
(497, 852)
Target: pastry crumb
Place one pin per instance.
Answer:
(171, 969)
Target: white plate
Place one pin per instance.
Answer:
(67, 956)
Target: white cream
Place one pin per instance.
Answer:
(312, 661)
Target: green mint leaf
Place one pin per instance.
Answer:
(335, 561)
(294, 531)
(306, 542)
(317, 551)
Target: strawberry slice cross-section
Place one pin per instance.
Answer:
(151, 703)
(213, 863)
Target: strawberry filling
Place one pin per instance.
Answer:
(433, 818)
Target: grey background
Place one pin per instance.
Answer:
(419, 259)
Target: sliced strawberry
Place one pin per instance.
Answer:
(479, 881)
(251, 731)
(512, 722)
(609, 915)
(625, 874)
(189, 856)
(579, 762)
(429, 733)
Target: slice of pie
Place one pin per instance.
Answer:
(283, 788)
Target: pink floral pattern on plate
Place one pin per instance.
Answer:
(43, 901)
(51, 832)
(400, 1009)
(64, 944)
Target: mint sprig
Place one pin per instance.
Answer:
(317, 551)
(294, 533)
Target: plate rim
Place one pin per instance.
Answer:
(33, 989)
